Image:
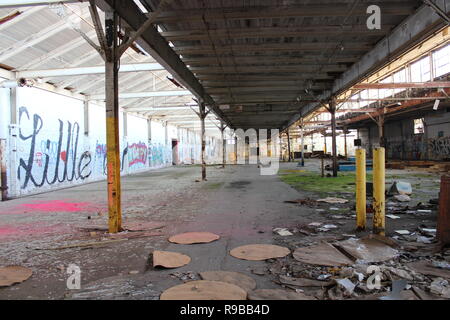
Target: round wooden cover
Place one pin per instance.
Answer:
(241, 280)
(169, 260)
(194, 237)
(259, 252)
(204, 290)
(13, 274)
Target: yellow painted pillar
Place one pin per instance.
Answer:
(112, 125)
(379, 201)
(360, 189)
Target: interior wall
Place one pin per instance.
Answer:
(403, 144)
(56, 145)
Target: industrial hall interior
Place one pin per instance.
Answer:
(225, 150)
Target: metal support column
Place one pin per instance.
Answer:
(303, 142)
(224, 143)
(333, 134)
(112, 122)
(289, 146)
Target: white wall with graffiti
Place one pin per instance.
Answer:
(54, 144)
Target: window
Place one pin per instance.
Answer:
(421, 71)
(400, 77)
(418, 126)
(441, 61)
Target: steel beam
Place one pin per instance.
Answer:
(65, 72)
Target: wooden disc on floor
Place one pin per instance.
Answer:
(277, 294)
(239, 279)
(204, 290)
(13, 274)
(194, 238)
(259, 252)
(169, 260)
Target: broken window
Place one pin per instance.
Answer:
(418, 126)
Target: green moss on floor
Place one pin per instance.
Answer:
(310, 181)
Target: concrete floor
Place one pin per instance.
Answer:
(237, 203)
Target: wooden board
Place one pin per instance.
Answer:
(169, 260)
(259, 252)
(194, 237)
(14, 274)
(204, 290)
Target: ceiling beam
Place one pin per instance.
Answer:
(158, 47)
(296, 47)
(261, 12)
(267, 59)
(273, 32)
(66, 72)
(133, 95)
(264, 69)
(404, 85)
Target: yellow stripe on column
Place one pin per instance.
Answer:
(379, 201)
(360, 189)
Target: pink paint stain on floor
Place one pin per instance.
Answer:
(31, 230)
(59, 206)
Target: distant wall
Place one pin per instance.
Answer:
(403, 144)
(59, 142)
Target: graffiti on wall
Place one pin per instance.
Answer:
(440, 147)
(57, 160)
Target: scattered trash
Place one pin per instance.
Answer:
(440, 287)
(424, 211)
(14, 274)
(259, 252)
(204, 290)
(392, 216)
(283, 232)
(133, 272)
(397, 287)
(402, 198)
(333, 200)
(400, 188)
(422, 239)
(241, 280)
(277, 294)
(194, 238)
(402, 232)
(169, 260)
(303, 282)
(185, 276)
(302, 201)
(315, 224)
(335, 209)
(346, 285)
(327, 228)
(441, 265)
(323, 277)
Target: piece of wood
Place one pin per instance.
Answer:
(169, 260)
(239, 279)
(83, 244)
(369, 250)
(259, 252)
(323, 254)
(14, 274)
(204, 290)
(194, 238)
